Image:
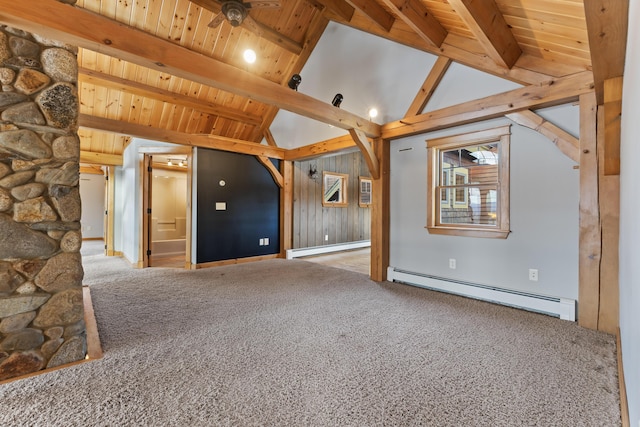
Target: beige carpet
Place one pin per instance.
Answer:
(291, 343)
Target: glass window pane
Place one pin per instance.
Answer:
(481, 208)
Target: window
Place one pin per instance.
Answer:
(365, 192)
(334, 189)
(468, 184)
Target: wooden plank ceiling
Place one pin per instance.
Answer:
(527, 41)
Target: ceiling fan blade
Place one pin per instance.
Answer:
(217, 20)
(252, 25)
(263, 4)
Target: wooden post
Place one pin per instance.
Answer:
(109, 207)
(609, 187)
(610, 125)
(286, 208)
(590, 237)
(380, 213)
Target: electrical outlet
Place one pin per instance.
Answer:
(533, 274)
(88, 228)
(452, 263)
(326, 237)
(261, 242)
(266, 241)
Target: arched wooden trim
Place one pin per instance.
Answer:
(367, 151)
(275, 173)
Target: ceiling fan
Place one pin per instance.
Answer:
(236, 12)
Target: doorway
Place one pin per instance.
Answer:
(166, 209)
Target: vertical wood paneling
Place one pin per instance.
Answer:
(311, 221)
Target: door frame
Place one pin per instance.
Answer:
(145, 155)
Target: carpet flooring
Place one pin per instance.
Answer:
(292, 343)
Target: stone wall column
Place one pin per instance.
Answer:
(41, 310)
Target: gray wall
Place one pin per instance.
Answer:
(92, 197)
(311, 221)
(629, 225)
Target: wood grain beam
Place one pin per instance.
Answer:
(612, 125)
(486, 22)
(103, 159)
(342, 8)
(568, 144)
(275, 173)
(380, 212)
(376, 13)
(82, 28)
(286, 208)
(429, 86)
(607, 22)
(261, 30)
(334, 145)
(206, 141)
(367, 152)
(97, 78)
(553, 92)
(268, 136)
(415, 14)
(590, 249)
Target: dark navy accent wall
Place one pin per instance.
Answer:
(252, 212)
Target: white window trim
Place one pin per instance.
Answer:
(501, 230)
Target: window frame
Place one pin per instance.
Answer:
(500, 135)
(341, 179)
(362, 195)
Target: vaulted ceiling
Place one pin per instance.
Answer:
(157, 64)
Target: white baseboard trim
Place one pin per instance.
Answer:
(558, 307)
(316, 250)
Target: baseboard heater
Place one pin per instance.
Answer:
(552, 306)
(316, 250)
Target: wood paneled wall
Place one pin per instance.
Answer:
(311, 221)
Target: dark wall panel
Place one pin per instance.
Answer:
(252, 201)
(311, 221)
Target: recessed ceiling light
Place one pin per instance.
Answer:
(249, 56)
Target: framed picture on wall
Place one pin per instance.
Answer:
(334, 189)
(364, 191)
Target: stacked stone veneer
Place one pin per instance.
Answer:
(41, 310)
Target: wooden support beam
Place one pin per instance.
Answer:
(334, 145)
(273, 170)
(568, 144)
(612, 127)
(429, 86)
(609, 201)
(486, 22)
(82, 28)
(590, 253)
(110, 203)
(380, 212)
(553, 92)
(375, 12)
(286, 208)
(91, 170)
(607, 22)
(343, 9)
(269, 137)
(367, 152)
(206, 141)
(415, 14)
(112, 82)
(260, 29)
(100, 158)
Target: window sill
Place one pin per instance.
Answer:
(469, 232)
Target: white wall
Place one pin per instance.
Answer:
(629, 223)
(92, 198)
(544, 207)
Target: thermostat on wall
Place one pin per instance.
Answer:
(221, 206)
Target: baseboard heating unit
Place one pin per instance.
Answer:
(338, 247)
(552, 306)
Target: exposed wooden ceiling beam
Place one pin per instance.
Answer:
(112, 82)
(205, 141)
(607, 23)
(334, 145)
(341, 7)
(429, 86)
(486, 22)
(261, 30)
(554, 92)
(416, 16)
(100, 158)
(268, 136)
(366, 148)
(375, 12)
(568, 144)
(82, 28)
